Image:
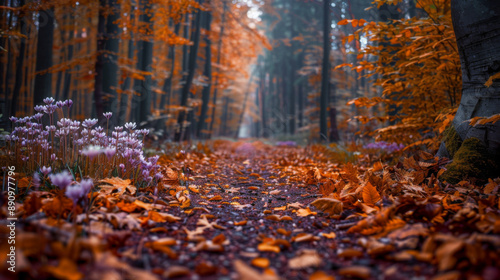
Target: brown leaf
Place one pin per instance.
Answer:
(357, 271)
(308, 258)
(66, 269)
(305, 212)
(261, 262)
(370, 194)
(248, 273)
(320, 275)
(328, 205)
(118, 184)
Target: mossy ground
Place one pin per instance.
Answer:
(452, 140)
(471, 160)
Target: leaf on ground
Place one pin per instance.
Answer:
(118, 184)
(330, 235)
(330, 206)
(261, 262)
(320, 275)
(370, 194)
(308, 258)
(248, 273)
(66, 269)
(357, 271)
(305, 212)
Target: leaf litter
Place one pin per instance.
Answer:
(275, 213)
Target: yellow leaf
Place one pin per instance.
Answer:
(305, 212)
(370, 194)
(330, 235)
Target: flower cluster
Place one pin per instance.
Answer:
(44, 140)
(286, 143)
(384, 146)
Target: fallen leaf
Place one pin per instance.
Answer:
(118, 184)
(308, 258)
(246, 272)
(305, 212)
(260, 262)
(320, 275)
(330, 235)
(66, 269)
(357, 271)
(370, 194)
(328, 205)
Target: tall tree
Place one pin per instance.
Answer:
(146, 60)
(475, 149)
(325, 72)
(208, 74)
(193, 55)
(106, 67)
(43, 78)
(219, 55)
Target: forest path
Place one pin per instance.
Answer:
(245, 211)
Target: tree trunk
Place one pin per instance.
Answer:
(43, 80)
(106, 68)
(208, 74)
(325, 75)
(475, 149)
(219, 50)
(193, 55)
(146, 53)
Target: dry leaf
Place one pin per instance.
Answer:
(66, 269)
(320, 275)
(261, 262)
(118, 184)
(308, 258)
(248, 273)
(370, 194)
(305, 212)
(328, 205)
(357, 271)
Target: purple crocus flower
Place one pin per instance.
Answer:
(75, 192)
(62, 180)
(46, 170)
(88, 123)
(48, 100)
(36, 180)
(68, 103)
(109, 152)
(92, 151)
(107, 115)
(86, 185)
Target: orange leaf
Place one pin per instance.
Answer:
(370, 194)
(343, 22)
(260, 262)
(328, 205)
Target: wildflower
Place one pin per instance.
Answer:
(40, 108)
(59, 104)
(88, 123)
(109, 152)
(107, 115)
(13, 119)
(62, 180)
(46, 170)
(48, 100)
(92, 151)
(36, 180)
(53, 157)
(130, 125)
(86, 185)
(38, 116)
(68, 103)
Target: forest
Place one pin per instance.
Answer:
(250, 139)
